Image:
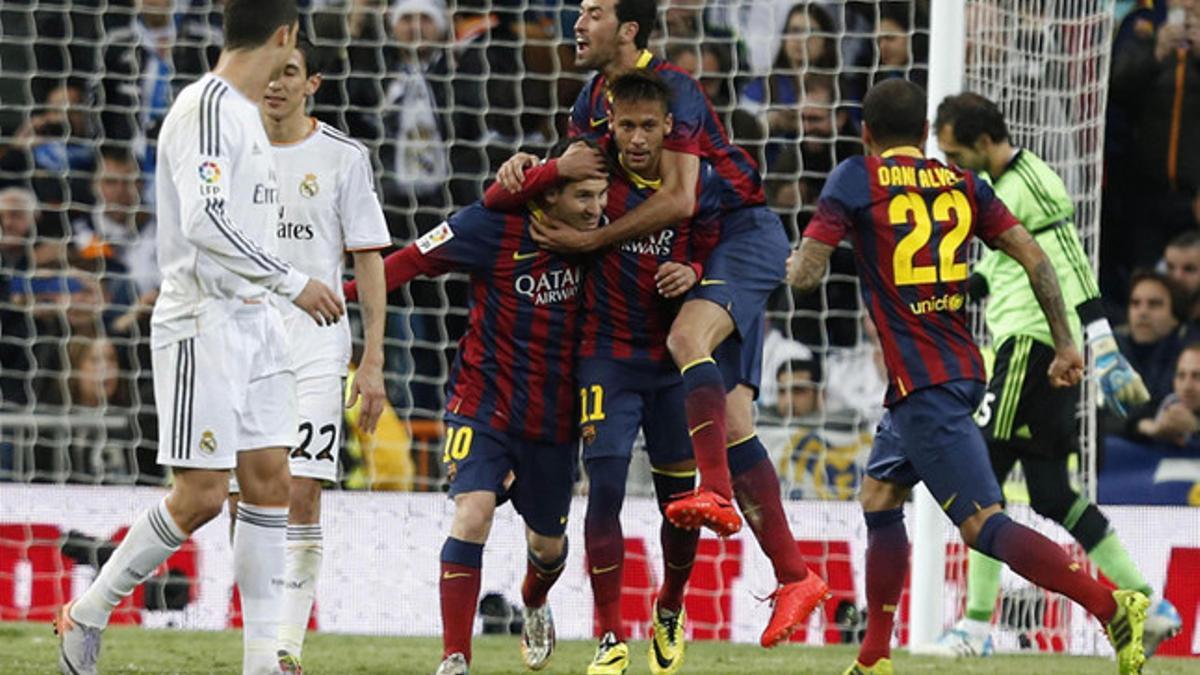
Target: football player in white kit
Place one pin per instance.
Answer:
(329, 208)
(223, 383)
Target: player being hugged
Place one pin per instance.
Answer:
(625, 377)
(223, 380)
(328, 207)
(724, 316)
(512, 399)
(909, 219)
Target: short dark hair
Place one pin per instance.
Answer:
(250, 23)
(316, 59)
(972, 116)
(1144, 275)
(894, 110)
(1185, 239)
(642, 12)
(811, 365)
(119, 154)
(640, 85)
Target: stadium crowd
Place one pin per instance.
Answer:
(442, 93)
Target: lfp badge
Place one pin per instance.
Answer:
(210, 173)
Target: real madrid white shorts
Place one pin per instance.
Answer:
(228, 389)
(315, 454)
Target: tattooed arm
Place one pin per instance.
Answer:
(806, 266)
(1067, 368)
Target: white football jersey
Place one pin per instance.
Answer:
(218, 204)
(327, 191)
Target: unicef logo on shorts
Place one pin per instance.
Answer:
(210, 173)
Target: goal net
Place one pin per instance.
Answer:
(441, 96)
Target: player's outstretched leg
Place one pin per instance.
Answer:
(544, 564)
(458, 584)
(699, 328)
(155, 535)
(887, 566)
(756, 486)
(305, 549)
(1043, 562)
(667, 647)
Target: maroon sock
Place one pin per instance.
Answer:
(540, 577)
(887, 567)
(1044, 563)
(705, 407)
(459, 589)
(678, 546)
(758, 495)
(605, 546)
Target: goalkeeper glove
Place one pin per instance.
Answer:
(1120, 384)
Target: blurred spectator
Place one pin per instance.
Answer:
(1154, 81)
(117, 236)
(420, 106)
(808, 46)
(1154, 335)
(827, 135)
(146, 62)
(1176, 420)
(778, 352)
(798, 387)
(18, 256)
(91, 385)
(688, 22)
(900, 51)
(52, 153)
(1182, 262)
(21, 246)
(857, 376)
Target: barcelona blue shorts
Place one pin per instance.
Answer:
(619, 397)
(478, 457)
(748, 264)
(930, 436)
(740, 356)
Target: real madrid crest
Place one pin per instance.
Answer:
(308, 186)
(208, 442)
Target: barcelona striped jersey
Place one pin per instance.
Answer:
(910, 219)
(515, 364)
(624, 315)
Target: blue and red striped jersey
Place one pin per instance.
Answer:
(625, 318)
(696, 129)
(910, 219)
(515, 364)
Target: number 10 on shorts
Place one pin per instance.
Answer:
(458, 444)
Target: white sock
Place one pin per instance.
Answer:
(151, 540)
(304, 551)
(980, 630)
(258, 564)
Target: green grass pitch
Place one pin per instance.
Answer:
(31, 649)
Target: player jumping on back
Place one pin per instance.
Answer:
(328, 208)
(909, 219)
(746, 266)
(223, 384)
(1023, 417)
(512, 399)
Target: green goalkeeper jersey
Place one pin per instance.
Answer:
(1039, 199)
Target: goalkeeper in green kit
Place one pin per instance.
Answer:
(1022, 416)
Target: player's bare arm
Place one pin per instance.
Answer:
(580, 162)
(1067, 367)
(806, 266)
(368, 381)
(675, 201)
